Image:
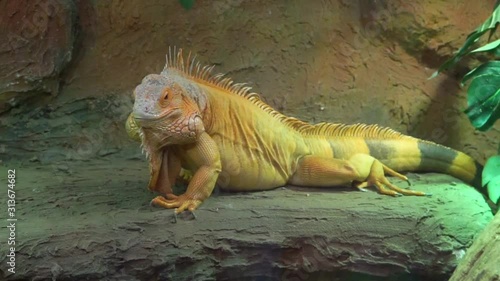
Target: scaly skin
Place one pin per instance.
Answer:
(192, 120)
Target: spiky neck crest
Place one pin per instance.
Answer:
(191, 69)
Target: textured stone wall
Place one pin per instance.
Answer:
(336, 61)
(37, 43)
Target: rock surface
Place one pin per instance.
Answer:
(92, 221)
(37, 44)
(482, 259)
(82, 199)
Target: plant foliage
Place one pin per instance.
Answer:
(483, 94)
(491, 178)
(484, 99)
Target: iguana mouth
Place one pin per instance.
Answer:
(145, 119)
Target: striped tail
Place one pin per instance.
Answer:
(446, 160)
(396, 150)
(425, 156)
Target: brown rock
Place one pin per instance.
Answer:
(98, 225)
(37, 43)
(428, 30)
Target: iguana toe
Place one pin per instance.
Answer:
(179, 203)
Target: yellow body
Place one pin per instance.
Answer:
(246, 145)
(259, 152)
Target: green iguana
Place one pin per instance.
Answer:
(188, 118)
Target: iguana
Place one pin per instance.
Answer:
(188, 118)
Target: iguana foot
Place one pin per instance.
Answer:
(377, 178)
(180, 203)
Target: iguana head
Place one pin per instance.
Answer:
(165, 111)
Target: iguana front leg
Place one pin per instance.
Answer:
(205, 156)
(361, 170)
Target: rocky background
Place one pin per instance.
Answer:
(67, 72)
(69, 67)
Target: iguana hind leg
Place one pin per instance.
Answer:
(361, 170)
(320, 171)
(375, 176)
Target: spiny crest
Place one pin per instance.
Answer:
(355, 130)
(192, 68)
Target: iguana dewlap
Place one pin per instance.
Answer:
(188, 118)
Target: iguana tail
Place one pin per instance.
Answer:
(425, 156)
(396, 150)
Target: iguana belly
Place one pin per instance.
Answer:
(240, 173)
(246, 169)
(249, 165)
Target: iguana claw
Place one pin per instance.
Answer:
(179, 203)
(408, 182)
(174, 217)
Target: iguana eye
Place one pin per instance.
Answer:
(166, 94)
(164, 100)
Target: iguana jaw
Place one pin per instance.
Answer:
(144, 119)
(164, 131)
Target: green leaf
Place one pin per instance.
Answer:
(492, 31)
(483, 98)
(488, 47)
(187, 4)
(489, 25)
(491, 169)
(491, 67)
(471, 39)
(491, 178)
(493, 189)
